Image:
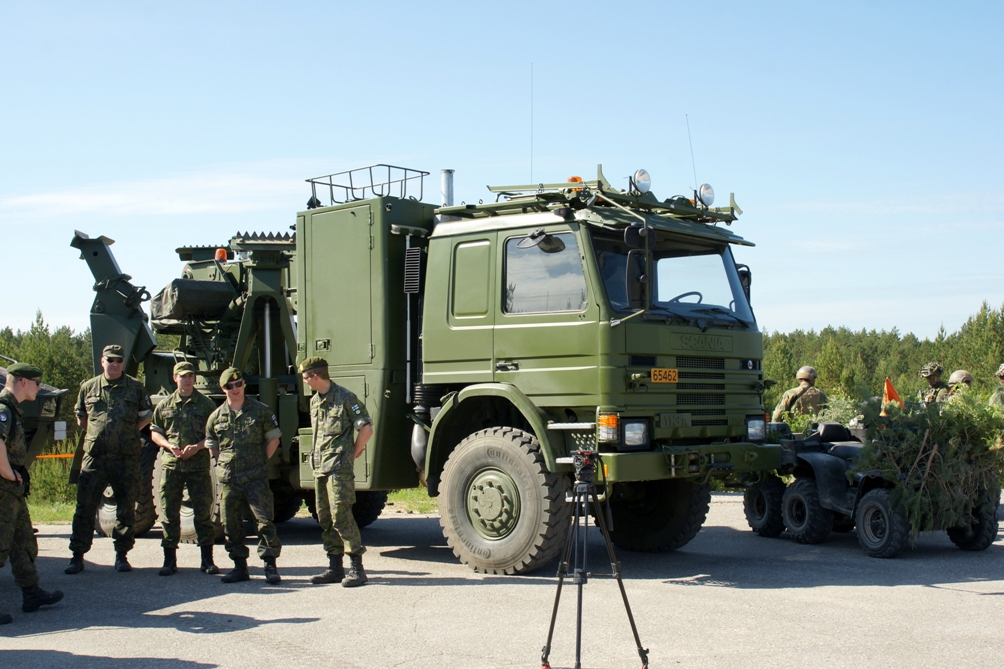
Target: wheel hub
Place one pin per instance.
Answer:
(492, 504)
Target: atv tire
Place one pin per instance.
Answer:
(806, 519)
(762, 504)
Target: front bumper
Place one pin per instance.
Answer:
(691, 462)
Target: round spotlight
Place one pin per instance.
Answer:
(642, 181)
(706, 194)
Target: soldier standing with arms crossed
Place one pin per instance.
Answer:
(334, 412)
(113, 407)
(179, 427)
(243, 434)
(17, 539)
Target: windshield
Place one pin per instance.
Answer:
(693, 278)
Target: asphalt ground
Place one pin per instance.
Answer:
(728, 599)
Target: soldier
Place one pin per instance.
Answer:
(805, 399)
(243, 434)
(937, 390)
(17, 539)
(997, 399)
(334, 412)
(113, 407)
(179, 427)
(959, 382)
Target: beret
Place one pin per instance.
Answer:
(25, 371)
(312, 363)
(230, 374)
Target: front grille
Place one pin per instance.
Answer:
(703, 375)
(700, 399)
(702, 412)
(705, 363)
(721, 422)
(700, 386)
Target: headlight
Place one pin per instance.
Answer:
(642, 181)
(636, 433)
(706, 194)
(756, 429)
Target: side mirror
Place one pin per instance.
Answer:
(745, 279)
(634, 236)
(637, 278)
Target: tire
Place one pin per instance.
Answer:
(286, 505)
(501, 511)
(368, 507)
(146, 509)
(762, 504)
(658, 516)
(188, 535)
(883, 531)
(982, 532)
(806, 519)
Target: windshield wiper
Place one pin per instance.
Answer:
(723, 312)
(669, 312)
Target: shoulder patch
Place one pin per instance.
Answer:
(355, 407)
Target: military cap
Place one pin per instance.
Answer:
(316, 362)
(25, 371)
(184, 368)
(931, 369)
(113, 350)
(230, 374)
(1000, 371)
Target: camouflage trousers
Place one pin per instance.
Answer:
(201, 495)
(96, 475)
(17, 539)
(257, 496)
(335, 496)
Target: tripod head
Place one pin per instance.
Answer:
(585, 465)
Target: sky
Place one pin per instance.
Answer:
(862, 139)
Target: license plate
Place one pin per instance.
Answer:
(664, 375)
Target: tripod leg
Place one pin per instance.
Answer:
(615, 567)
(562, 572)
(582, 492)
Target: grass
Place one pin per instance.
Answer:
(411, 500)
(50, 513)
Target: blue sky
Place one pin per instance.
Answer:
(862, 139)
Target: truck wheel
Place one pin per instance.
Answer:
(285, 506)
(806, 519)
(658, 516)
(981, 532)
(762, 504)
(500, 509)
(368, 507)
(146, 510)
(188, 535)
(882, 530)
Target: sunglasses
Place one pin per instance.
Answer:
(234, 384)
(308, 376)
(115, 361)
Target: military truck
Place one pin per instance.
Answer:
(489, 342)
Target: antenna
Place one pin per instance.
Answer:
(531, 122)
(692, 163)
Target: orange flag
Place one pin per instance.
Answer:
(889, 394)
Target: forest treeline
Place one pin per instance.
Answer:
(851, 364)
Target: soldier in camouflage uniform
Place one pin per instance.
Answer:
(997, 399)
(334, 412)
(937, 390)
(17, 539)
(243, 433)
(179, 427)
(113, 407)
(959, 382)
(805, 399)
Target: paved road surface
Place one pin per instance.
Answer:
(728, 599)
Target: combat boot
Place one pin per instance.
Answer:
(76, 564)
(333, 574)
(170, 562)
(5, 619)
(208, 566)
(35, 597)
(356, 575)
(238, 573)
(271, 573)
(121, 563)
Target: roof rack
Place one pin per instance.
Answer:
(378, 180)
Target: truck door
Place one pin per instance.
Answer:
(545, 325)
(459, 310)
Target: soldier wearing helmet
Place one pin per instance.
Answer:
(997, 399)
(805, 399)
(959, 382)
(937, 390)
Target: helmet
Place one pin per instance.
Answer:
(931, 369)
(960, 376)
(806, 373)
(1000, 371)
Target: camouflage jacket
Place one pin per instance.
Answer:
(182, 421)
(936, 393)
(241, 437)
(997, 399)
(12, 434)
(332, 417)
(113, 410)
(800, 400)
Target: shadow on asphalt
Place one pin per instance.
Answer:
(55, 658)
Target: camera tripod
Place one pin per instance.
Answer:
(575, 553)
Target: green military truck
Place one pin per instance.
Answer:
(489, 342)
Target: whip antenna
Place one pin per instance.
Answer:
(692, 163)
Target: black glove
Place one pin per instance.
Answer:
(25, 479)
